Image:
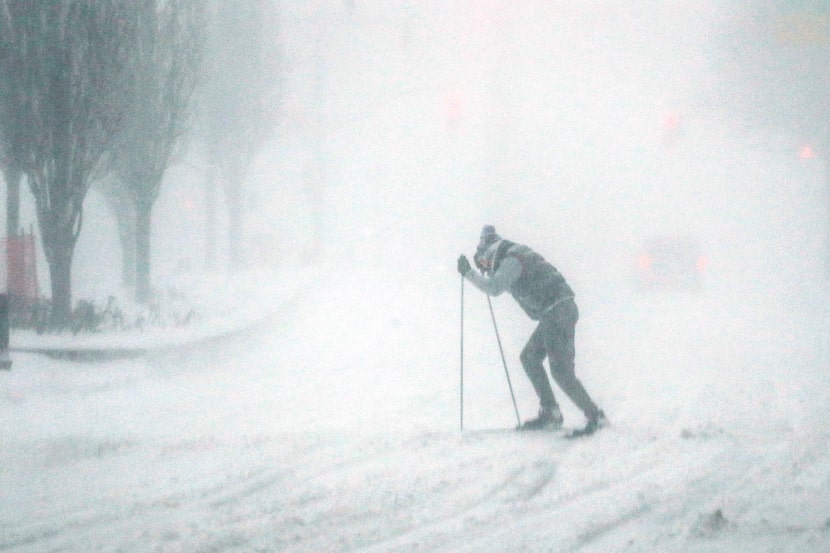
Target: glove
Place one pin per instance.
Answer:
(463, 265)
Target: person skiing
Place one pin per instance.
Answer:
(545, 296)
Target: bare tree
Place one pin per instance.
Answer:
(12, 175)
(10, 155)
(120, 204)
(239, 102)
(164, 71)
(63, 66)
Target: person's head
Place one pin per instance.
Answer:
(486, 250)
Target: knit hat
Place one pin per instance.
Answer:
(486, 250)
(488, 236)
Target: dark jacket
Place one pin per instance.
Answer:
(540, 286)
(534, 283)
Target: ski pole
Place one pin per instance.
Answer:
(462, 353)
(503, 361)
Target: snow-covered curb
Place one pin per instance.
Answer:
(223, 304)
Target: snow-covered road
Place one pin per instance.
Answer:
(335, 427)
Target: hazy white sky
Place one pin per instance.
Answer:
(580, 128)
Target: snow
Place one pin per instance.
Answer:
(330, 422)
(222, 305)
(318, 409)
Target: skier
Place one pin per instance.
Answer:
(544, 295)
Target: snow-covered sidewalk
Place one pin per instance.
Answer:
(218, 305)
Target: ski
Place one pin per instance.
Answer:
(568, 433)
(574, 433)
(563, 432)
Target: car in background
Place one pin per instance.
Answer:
(670, 262)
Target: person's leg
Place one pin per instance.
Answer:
(532, 358)
(559, 332)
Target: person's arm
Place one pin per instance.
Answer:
(509, 272)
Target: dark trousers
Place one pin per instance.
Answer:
(554, 339)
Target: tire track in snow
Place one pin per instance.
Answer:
(150, 513)
(522, 493)
(678, 515)
(668, 500)
(781, 479)
(585, 515)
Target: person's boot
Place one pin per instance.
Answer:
(549, 418)
(596, 422)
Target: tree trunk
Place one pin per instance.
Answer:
(142, 253)
(60, 275)
(12, 177)
(210, 222)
